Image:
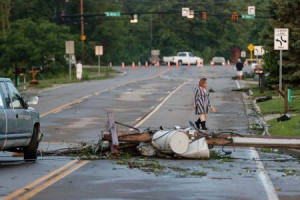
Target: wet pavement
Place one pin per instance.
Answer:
(132, 97)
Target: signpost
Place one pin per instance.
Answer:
(70, 50)
(259, 51)
(112, 14)
(281, 42)
(99, 52)
(289, 95)
(185, 12)
(251, 10)
(243, 54)
(248, 16)
(251, 48)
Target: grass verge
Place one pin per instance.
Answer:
(63, 78)
(286, 128)
(276, 106)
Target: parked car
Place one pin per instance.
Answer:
(218, 61)
(183, 58)
(19, 123)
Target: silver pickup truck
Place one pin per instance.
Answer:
(19, 123)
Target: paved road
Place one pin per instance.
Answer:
(132, 97)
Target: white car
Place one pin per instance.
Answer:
(183, 58)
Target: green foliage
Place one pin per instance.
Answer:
(37, 36)
(285, 14)
(34, 43)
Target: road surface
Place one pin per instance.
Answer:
(77, 112)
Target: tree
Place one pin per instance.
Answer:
(285, 14)
(33, 43)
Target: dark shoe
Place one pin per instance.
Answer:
(203, 125)
(197, 123)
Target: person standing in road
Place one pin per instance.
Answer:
(239, 68)
(202, 104)
(79, 70)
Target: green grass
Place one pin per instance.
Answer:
(276, 106)
(286, 128)
(268, 92)
(63, 78)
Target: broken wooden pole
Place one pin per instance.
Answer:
(111, 127)
(222, 139)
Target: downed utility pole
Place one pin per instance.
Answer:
(220, 139)
(188, 142)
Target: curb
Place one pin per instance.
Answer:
(292, 152)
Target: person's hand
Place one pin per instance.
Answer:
(194, 106)
(213, 109)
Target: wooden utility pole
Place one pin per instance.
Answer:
(83, 37)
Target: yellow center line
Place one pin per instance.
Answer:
(35, 191)
(60, 172)
(38, 181)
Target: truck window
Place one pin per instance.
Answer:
(182, 54)
(5, 93)
(16, 98)
(190, 54)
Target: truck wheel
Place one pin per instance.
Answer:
(179, 62)
(30, 152)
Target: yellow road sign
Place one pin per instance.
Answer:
(83, 38)
(251, 47)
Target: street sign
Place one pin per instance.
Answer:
(83, 38)
(289, 95)
(98, 50)
(250, 47)
(248, 16)
(134, 18)
(112, 14)
(281, 39)
(259, 51)
(70, 47)
(251, 10)
(243, 54)
(185, 12)
(191, 14)
(155, 52)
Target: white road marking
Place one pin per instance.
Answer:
(262, 172)
(160, 105)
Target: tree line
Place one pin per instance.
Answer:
(34, 34)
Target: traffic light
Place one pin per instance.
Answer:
(235, 16)
(204, 15)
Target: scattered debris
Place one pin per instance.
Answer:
(241, 90)
(263, 99)
(283, 118)
(211, 90)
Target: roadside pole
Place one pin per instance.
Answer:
(70, 66)
(99, 65)
(280, 71)
(99, 52)
(70, 50)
